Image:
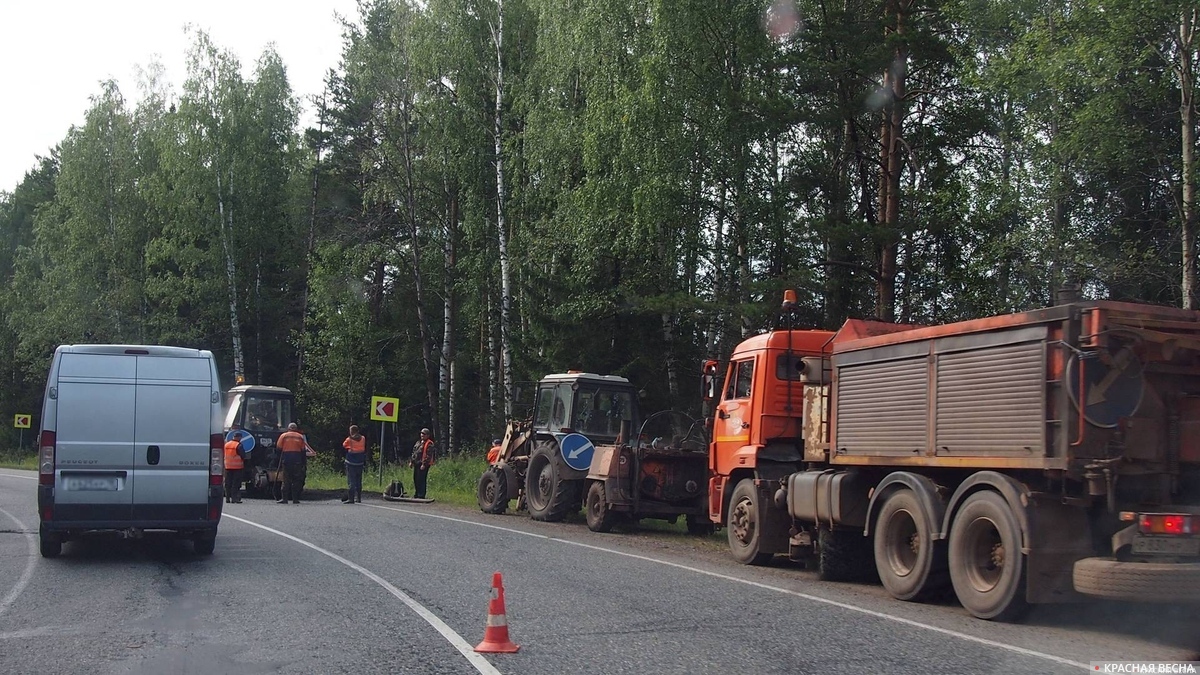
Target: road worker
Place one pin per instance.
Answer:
(356, 460)
(494, 454)
(423, 455)
(234, 463)
(293, 455)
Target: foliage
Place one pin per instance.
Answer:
(668, 169)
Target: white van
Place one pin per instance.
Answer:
(131, 441)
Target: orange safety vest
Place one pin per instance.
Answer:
(233, 458)
(291, 441)
(493, 454)
(353, 445)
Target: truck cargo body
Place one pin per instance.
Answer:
(1020, 458)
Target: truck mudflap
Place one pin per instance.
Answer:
(1138, 581)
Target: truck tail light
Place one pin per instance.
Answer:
(46, 458)
(216, 463)
(1167, 523)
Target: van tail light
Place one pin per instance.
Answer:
(216, 459)
(1167, 523)
(46, 458)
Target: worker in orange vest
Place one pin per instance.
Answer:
(356, 460)
(494, 454)
(423, 456)
(234, 463)
(293, 456)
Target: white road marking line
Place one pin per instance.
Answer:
(481, 664)
(27, 575)
(834, 603)
(15, 475)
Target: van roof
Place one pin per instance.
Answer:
(150, 350)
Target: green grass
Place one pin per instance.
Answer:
(11, 458)
(450, 480)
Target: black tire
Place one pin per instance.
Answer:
(50, 544)
(843, 555)
(548, 496)
(1138, 581)
(699, 525)
(987, 567)
(492, 491)
(599, 517)
(742, 525)
(910, 562)
(204, 544)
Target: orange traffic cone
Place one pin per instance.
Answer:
(495, 636)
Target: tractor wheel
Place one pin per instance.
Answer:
(743, 525)
(599, 517)
(843, 555)
(699, 525)
(911, 564)
(492, 492)
(986, 563)
(548, 496)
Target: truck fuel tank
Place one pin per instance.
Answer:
(827, 496)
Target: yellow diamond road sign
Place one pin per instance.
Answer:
(384, 409)
(21, 421)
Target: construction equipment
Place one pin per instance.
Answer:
(581, 442)
(1020, 459)
(261, 414)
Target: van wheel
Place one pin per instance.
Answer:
(51, 544)
(204, 544)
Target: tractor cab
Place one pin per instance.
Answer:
(261, 414)
(595, 406)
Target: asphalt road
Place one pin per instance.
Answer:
(324, 587)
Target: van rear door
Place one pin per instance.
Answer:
(95, 436)
(172, 427)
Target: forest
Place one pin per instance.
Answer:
(494, 190)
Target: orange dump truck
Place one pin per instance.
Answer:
(1028, 458)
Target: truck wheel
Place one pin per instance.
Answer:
(987, 567)
(911, 564)
(599, 517)
(742, 525)
(547, 495)
(843, 555)
(492, 492)
(204, 544)
(50, 543)
(1144, 582)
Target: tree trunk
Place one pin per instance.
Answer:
(1187, 116)
(449, 309)
(891, 162)
(308, 249)
(235, 328)
(501, 226)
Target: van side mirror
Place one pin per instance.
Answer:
(708, 381)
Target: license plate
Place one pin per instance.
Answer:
(91, 483)
(1183, 546)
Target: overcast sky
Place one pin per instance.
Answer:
(55, 53)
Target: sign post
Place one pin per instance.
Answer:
(22, 421)
(383, 410)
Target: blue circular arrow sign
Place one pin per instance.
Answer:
(244, 438)
(577, 451)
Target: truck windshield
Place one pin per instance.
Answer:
(599, 411)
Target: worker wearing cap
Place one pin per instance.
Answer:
(494, 454)
(293, 455)
(423, 455)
